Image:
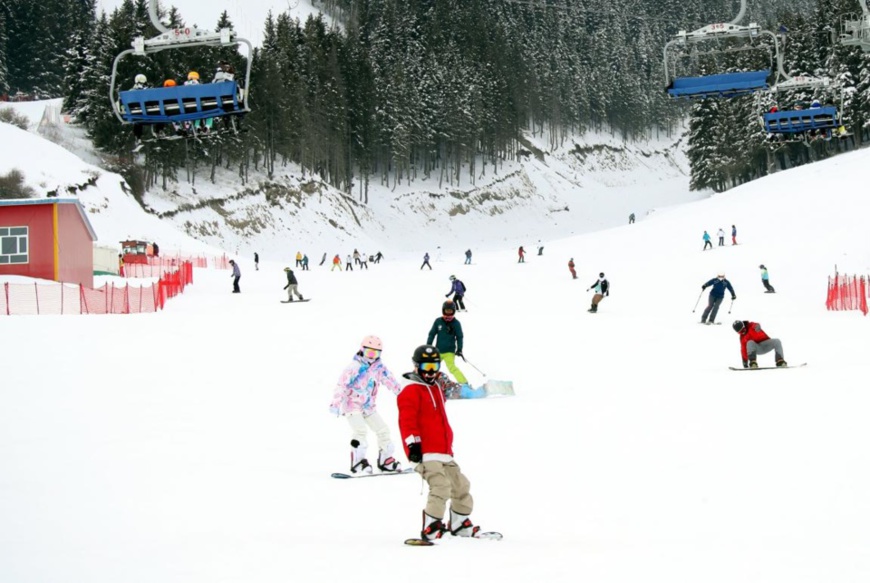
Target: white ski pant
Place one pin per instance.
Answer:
(360, 424)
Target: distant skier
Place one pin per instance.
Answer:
(299, 259)
(458, 291)
(754, 341)
(522, 253)
(237, 275)
(631, 219)
(602, 288)
(765, 280)
(349, 265)
(571, 268)
(428, 440)
(256, 262)
(323, 259)
(304, 262)
(356, 256)
(717, 294)
(292, 285)
(468, 257)
(540, 248)
(356, 396)
(378, 257)
(733, 235)
(336, 262)
(707, 241)
(721, 235)
(426, 262)
(364, 261)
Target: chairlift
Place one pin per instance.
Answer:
(182, 104)
(855, 29)
(733, 84)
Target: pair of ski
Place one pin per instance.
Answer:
(294, 301)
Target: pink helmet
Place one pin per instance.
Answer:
(372, 342)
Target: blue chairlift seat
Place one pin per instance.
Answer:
(801, 120)
(722, 85)
(180, 104)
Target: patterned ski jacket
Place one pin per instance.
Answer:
(357, 387)
(751, 331)
(423, 419)
(447, 335)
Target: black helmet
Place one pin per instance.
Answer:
(448, 305)
(452, 277)
(762, 266)
(737, 325)
(426, 353)
(601, 275)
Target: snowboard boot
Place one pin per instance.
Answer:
(386, 461)
(301, 299)
(752, 363)
(781, 362)
(433, 528)
(466, 392)
(594, 308)
(358, 462)
(460, 525)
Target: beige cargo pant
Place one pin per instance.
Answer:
(446, 482)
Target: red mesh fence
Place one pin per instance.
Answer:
(847, 292)
(35, 299)
(150, 266)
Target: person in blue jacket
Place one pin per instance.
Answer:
(458, 291)
(707, 241)
(717, 286)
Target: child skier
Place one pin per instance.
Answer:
(428, 441)
(446, 331)
(355, 396)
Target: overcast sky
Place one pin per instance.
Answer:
(247, 16)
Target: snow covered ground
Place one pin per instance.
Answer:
(194, 445)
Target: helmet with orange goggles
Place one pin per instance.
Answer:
(448, 309)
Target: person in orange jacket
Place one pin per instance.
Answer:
(755, 341)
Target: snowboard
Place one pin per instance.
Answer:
(342, 476)
(294, 301)
(419, 542)
(711, 323)
(769, 367)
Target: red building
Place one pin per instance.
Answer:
(48, 238)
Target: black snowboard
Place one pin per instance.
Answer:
(294, 301)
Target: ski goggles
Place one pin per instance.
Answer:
(371, 353)
(448, 315)
(429, 366)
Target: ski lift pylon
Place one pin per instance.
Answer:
(855, 29)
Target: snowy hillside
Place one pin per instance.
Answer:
(195, 445)
(592, 182)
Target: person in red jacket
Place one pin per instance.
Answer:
(428, 441)
(754, 341)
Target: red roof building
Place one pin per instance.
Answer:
(47, 238)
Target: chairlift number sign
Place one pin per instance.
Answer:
(182, 32)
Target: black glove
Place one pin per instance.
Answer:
(733, 298)
(286, 286)
(745, 364)
(703, 287)
(446, 295)
(415, 454)
(459, 354)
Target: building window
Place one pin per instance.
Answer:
(14, 245)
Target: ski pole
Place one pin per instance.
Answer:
(731, 306)
(697, 302)
(472, 366)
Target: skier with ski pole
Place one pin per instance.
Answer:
(717, 286)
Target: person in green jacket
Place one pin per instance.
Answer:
(446, 332)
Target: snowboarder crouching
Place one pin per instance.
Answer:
(754, 341)
(602, 288)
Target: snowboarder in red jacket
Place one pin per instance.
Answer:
(428, 441)
(754, 341)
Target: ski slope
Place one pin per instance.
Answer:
(195, 445)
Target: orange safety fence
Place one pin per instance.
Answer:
(847, 292)
(53, 299)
